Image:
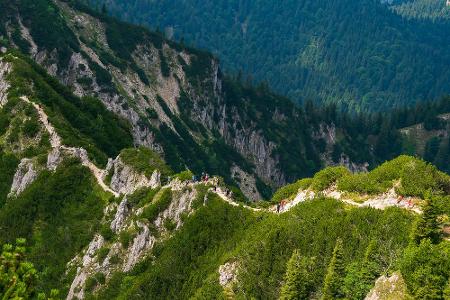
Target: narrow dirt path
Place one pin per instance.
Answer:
(56, 143)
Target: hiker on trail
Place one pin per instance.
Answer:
(283, 203)
(203, 176)
(400, 198)
(206, 177)
(278, 208)
(194, 179)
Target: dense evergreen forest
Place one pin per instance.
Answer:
(361, 54)
(436, 10)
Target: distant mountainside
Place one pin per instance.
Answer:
(103, 126)
(359, 54)
(436, 10)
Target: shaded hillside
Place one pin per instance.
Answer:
(358, 54)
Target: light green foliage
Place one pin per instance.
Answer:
(145, 160)
(333, 282)
(184, 176)
(290, 190)
(298, 282)
(426, 269)
(417, 178)
(18, 277)
(142, 196)
(327, 177)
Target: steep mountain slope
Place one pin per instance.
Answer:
(436, 10)
(90, 174)
(359, 54)
(175, 98)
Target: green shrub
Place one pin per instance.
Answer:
(160, 203)
(145, 160)
(327, 177)
(125, 237)
(415, 175)
(291, 190)
(31, 127)
(184, 176)
(102, 253)
(106, 232)
(170, 224)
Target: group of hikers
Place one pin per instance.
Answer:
(281, 205)
(204, 178)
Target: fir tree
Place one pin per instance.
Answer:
(428, 226)
(298, 278)
(360, 277)
(334, 279)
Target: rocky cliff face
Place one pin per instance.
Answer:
(115, 254)
(157, 84)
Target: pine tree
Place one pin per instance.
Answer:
(428, 226)
(334, 279)
(298, 278)
(361, 276)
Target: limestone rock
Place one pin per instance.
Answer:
(389, 288)
(5, 68)
(121, 215)
(228, 273)
(24, 176)
(125, 180)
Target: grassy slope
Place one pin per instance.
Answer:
(186, 265)
(58, 214)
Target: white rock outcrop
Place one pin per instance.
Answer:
(24, 176)
(228, 273)
(121, 215)
(389, 288)
(125, 180)
(5, 68)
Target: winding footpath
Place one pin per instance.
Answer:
(57, 147)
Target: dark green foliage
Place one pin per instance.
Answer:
(102, 253)
(48, 28)
(161, 202)
(359, 54)
(80, 121)
(8, 165)
(165, 69)
(428, 226)
(58, 214)
(360, 276)
(170, 224)
(333, 282)
(31, 127)
(125, 237)
(297, 280)
(106, 232)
